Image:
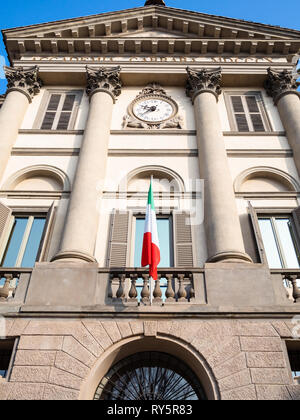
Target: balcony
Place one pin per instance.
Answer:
(13, 284)
(291, 282)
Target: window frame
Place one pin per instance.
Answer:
(272, 214)
(261, 105)
(15, 341)
(44, 106)
(291, 345)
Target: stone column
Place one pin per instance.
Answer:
(224, 237)
(22, 85)
(81, 226)
(282, 86)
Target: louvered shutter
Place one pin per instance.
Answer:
(6, 223)
(254, 112)
(183, 241)
(239, 114)
(45, 239)
(296, 218)
(257, 233)
(66, 112)
(118, 248)
(49, 117)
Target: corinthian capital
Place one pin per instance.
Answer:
(280, 83)
(25, 81)
(203, 80)
(104, 79)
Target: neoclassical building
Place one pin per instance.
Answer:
(94, 107)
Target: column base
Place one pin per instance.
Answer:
(229, 257)
(73, 256)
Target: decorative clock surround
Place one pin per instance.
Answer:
(153, 109)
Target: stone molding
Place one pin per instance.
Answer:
(105, 80)
(23, 80)
(280, 83)
(203, 80)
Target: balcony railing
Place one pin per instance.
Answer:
(9, 282)
(291, 281)
(132, 287)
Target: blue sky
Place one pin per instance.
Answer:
(20, 13)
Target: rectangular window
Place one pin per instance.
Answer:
(6, 351)
(61, 111)
(279, 239)
(247, 112)
(24, 241)
(165, 235)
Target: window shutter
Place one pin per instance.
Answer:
(255, 114)
(257, 234)
(51, 112)
(120, 222)
(45, 240)
(183, 240)
(66, 113)
(6, 223)
(239, 113)
(296, 218)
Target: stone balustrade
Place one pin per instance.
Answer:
(291, 281)
(133, 287)
(9, 282)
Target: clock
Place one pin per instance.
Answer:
(154, 110)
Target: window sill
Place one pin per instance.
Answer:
(40, 131)
(255, 133)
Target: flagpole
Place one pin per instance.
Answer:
(151, 291)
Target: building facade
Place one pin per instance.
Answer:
(94, 106)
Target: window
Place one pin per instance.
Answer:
(293, 348)
(24, 240)
(6, 351)
(247, 112)
(61, 110)
(279, 239)
(165, 235)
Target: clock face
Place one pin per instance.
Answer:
(153, 110)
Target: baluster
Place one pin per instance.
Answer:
(192, 290)
(181, 291)
(4, 291)
(133, 292)
(110, 291)
(170, 294)
(121, 290)
(145, 291)
(14, 283)
(296, 290)
(157, 293)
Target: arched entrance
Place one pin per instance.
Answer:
(150, 376)
(162, 355)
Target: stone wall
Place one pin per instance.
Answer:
(246, 360)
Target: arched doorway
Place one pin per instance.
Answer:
(150, 376)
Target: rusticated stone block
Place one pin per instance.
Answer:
(65, 362)
(237, 380)
(229, 349)
(30, 374)
(253, 329)
(266, 360)
(137, 327)
(87, 340)
(125, 329)
(40, 343)
(5, 388)
(294, 391)
(76, 350)
(99, 333)
(65, 379)
(112, 330)
(282, 329)
(26, 391)
(18, 327)
(58, 393)
(51, 327)
(270, 376)
(164, 327)
(261, 344)
(150, 328)
(273, 392)
(231, 366)
(246, 393)
(34, 358)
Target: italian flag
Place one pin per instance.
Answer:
(151, 252)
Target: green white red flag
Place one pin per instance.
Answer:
(151, 252)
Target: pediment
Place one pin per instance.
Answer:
(163, 21)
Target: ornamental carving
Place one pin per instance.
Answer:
(203, 81)
(104, 79)
(153, 109)
(280, 83)
(26, 81)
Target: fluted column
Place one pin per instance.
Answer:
(222, 224)
(22, 85)
(79, 237)
(282, 86)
